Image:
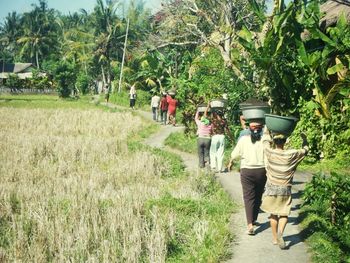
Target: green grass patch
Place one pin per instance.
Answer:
(46, 101)
(202, 233)
(183, 142)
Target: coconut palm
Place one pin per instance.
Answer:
(9, 32)
(107, 28)
(39, 33)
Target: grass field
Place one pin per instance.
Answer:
(76, 186)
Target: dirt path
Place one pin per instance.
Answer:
(248, 249)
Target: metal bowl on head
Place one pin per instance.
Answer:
(255, 112)
(218, 103)
(280, 124)
(202, 108)
(172, 92)
(251, 103)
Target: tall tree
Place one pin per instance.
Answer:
(39, 36)
(9, 33)
(107, 28)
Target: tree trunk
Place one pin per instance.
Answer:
(37, 59)
(121, 68)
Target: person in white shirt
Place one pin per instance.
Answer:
(249, 149)
(132, 95)
(155, 106)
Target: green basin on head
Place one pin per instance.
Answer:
(280, 124)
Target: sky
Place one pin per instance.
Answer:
(64, 6)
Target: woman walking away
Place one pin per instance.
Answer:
(172, 105)
(204, 129)
(280, 168)
(132, 95)
(217, 147)
(155, 106)
(163, 107)
(252, 168)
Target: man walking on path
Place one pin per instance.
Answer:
(155, 106)
(132, 96)
(163, 107)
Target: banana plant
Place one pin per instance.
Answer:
(329, 66)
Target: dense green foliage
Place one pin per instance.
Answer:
(326, 210)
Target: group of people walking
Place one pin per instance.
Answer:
(266, 167)
(164, 108)
(211, 138)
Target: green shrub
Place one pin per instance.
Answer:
(327, 210)
(83, 83)
(65, 78)
(326, 137)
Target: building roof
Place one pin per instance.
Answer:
(14, 68)
(333, 9)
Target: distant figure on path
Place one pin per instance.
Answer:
(107, 92)
(204, 131)
(163, 107)
(280, 168)
(132, 95)
(249, 149)
(155, 106)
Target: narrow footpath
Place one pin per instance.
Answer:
(245, 248)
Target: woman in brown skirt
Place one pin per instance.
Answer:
(250, 150)
(280, 168)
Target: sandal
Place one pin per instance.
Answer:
(281, 242)
(251, 232)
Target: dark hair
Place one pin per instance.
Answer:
(279, 141)
(255, 135)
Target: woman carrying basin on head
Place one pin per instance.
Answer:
(204, 132)
(280, 168)
(249, 149)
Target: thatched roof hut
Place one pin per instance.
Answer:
(333, 9)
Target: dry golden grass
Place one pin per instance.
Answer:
(71, 191)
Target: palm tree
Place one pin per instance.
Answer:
(77, 39)
(39, 33)
(107, 26)
(9, 33)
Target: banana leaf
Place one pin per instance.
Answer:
(335, 69)
(302, 53)
(257, 10)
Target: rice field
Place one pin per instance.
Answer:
(71, 190)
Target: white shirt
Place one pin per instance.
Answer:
(252, 155)
(155, 101)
